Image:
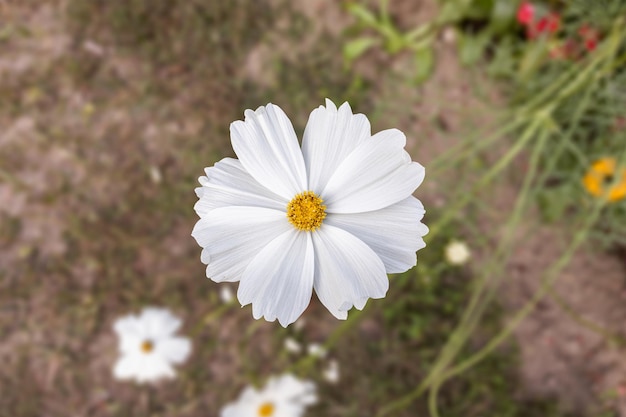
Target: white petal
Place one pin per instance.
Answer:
(174, 350)
(347, 271)
(159, 323)
(289, 410)
(127, 325)
(142, 368)
(292, 390)
(246, 405)
(377, 174)
(232, 236)
(394, 232)
(228, 184)
(329, 137)
(126, 367)
(279, 280)
(239, 409)
(132, 332)
(267, 147)
(131, 343)
(153, 367)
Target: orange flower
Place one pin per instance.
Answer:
(601, 181)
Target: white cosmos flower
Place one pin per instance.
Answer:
(148, 346)
(284, 396)
(336, 215)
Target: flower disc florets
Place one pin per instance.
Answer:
(306, 211)
(147, 346)
(266, 410)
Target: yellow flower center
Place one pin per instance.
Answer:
(147, 346)
(306, 211)
(266, 410)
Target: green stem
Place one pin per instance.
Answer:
(459, 335)
(551, 277)
(467, 148)
(304, 364)
(209, 317)
(613, 339)
(485, 179)
(474, 312)
(547, 283)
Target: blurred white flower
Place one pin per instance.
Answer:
(284, 396)
(331, 373)
(449, 35)
(317, 350)
(291, 345)
(299, 324)
(155, 174)
(457, 252)
(226, 294)
(148, 346)
(335, 215)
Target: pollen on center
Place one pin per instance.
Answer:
(266, 410)
(306, 211)
(147, 346)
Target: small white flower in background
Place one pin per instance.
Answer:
(335, 215)
(299, 324)
(291, 345)
(226, 294)
(155, 174)
(148, 346)
(284, 396)
(457, 252)
(331, 373)
(317, 350)
(449, 35)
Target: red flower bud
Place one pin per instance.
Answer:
(526, 13)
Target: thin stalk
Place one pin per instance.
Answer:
(547, 283)
(209, 317)
(475, 310)
(615, 340)
(551, 277)
(473, 146)
(355, 317)
(485, 179)
(459, 336)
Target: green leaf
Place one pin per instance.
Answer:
(534, 55)
(479, 9)
(424, 63)
(502, 15)
(472, 48)
(355, 48)
(363, 14)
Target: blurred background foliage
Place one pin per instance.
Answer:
(114, 107)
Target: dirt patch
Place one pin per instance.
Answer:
(561, 357)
